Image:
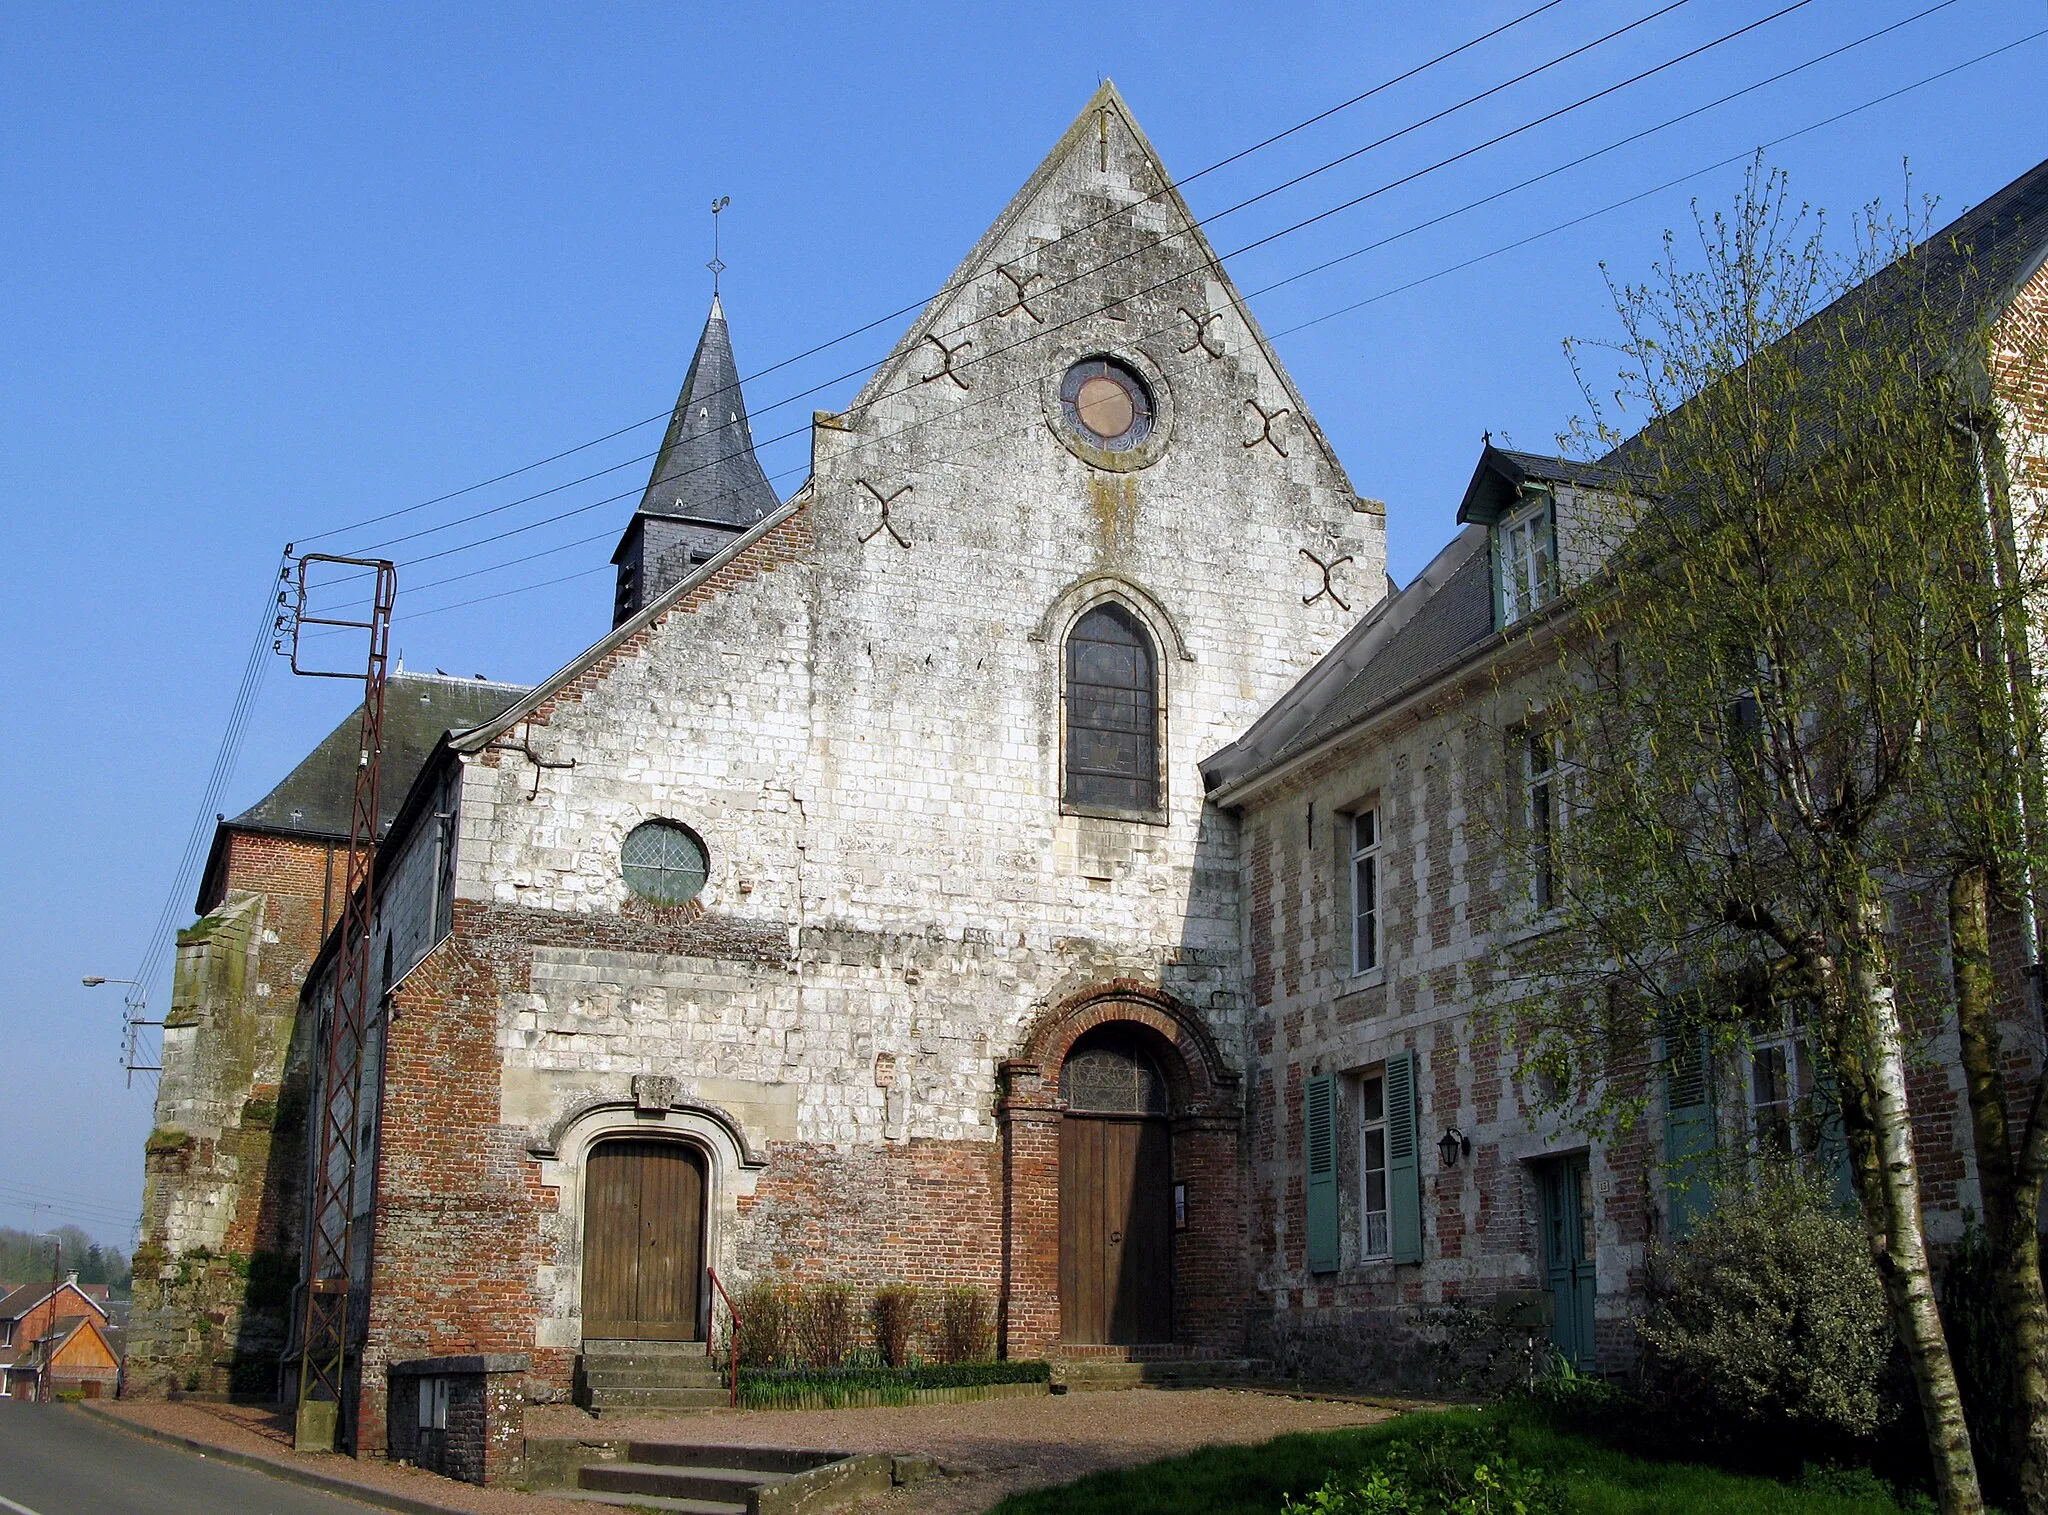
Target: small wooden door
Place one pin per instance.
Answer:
(1568, 1257)
(643, 1241)
(1116, 1230)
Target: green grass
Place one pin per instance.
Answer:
(1596, 1479)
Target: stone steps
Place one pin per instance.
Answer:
(724, 1480)
(723, 1488)
(649, 1375)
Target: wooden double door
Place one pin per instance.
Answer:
(643, 1241)
(1116, 1230)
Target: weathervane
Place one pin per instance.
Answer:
(717, 264)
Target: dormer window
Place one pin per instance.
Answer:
(1525, 559)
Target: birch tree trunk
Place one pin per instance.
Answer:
(1888, 1185)
(2011, 1209)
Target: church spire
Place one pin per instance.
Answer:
(707, 485)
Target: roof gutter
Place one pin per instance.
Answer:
(1398, 702)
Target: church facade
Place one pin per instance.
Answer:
(858, 892)
(1038, 854)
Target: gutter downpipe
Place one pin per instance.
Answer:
(2020, 699)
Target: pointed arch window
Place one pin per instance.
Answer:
(1112, 757)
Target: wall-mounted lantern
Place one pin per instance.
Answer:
(1455, 1143)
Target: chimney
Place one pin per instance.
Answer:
(71, 1278)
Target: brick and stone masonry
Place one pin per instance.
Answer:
(864, 726)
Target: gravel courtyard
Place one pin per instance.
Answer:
(991, 1449)
(999, 1447)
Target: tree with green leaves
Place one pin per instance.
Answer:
(1775, 672)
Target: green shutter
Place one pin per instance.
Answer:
(1404, 1166)
(1688, 1129)
(1319, 1118)
(1831, 1148)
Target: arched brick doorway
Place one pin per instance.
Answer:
(1123, 1226)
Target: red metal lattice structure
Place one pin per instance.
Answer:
(323, 1415)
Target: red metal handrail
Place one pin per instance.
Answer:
(733, 1339)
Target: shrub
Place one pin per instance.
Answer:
(1455, 1473)
(822, 1324)
(763, 1310)
(1488, 1350)
(1769, 1316)
(967, 1330)
(785, 1386)
(894, 1312)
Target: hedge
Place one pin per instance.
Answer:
(762, 1388)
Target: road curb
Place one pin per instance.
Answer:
(326, 1483)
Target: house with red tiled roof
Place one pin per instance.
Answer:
(38, 1325)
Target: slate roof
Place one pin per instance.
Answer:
(706, 469)
(1977, 264)
(1400, 644)
(314, 798)
(1502, 471)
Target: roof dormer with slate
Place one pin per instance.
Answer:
(707, 486)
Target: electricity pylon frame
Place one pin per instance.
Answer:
(323, 1420)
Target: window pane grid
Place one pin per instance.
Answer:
(663, 862)
(1375, 1232)
(1528, 561)
(1365, 891)
(1112, 755)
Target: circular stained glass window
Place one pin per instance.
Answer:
(664, 862)
(1107, 404)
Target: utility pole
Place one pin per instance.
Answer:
(45, 1388)
(325, 1418)
(134, 1004)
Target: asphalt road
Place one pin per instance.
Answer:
(55, 1460)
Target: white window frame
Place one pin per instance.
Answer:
(1375, 1226)
(1541, 815)
(1367, 939)
(1797, 1093)
(1526, 551)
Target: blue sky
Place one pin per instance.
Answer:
(272, 270)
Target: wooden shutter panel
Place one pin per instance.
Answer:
(1688, 1129)
(1319, 1143)
(1831, 1149)
(1404, 1164)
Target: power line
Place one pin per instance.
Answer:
(1194, 224)
(862, 330)
(197, 840)
(1043, 333)
(1439, 273)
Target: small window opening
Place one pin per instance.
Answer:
(1365, 891)
(664, 862)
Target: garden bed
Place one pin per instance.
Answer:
(861, 1387)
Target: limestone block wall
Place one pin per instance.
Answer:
(223, 1169)
(863, 722)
